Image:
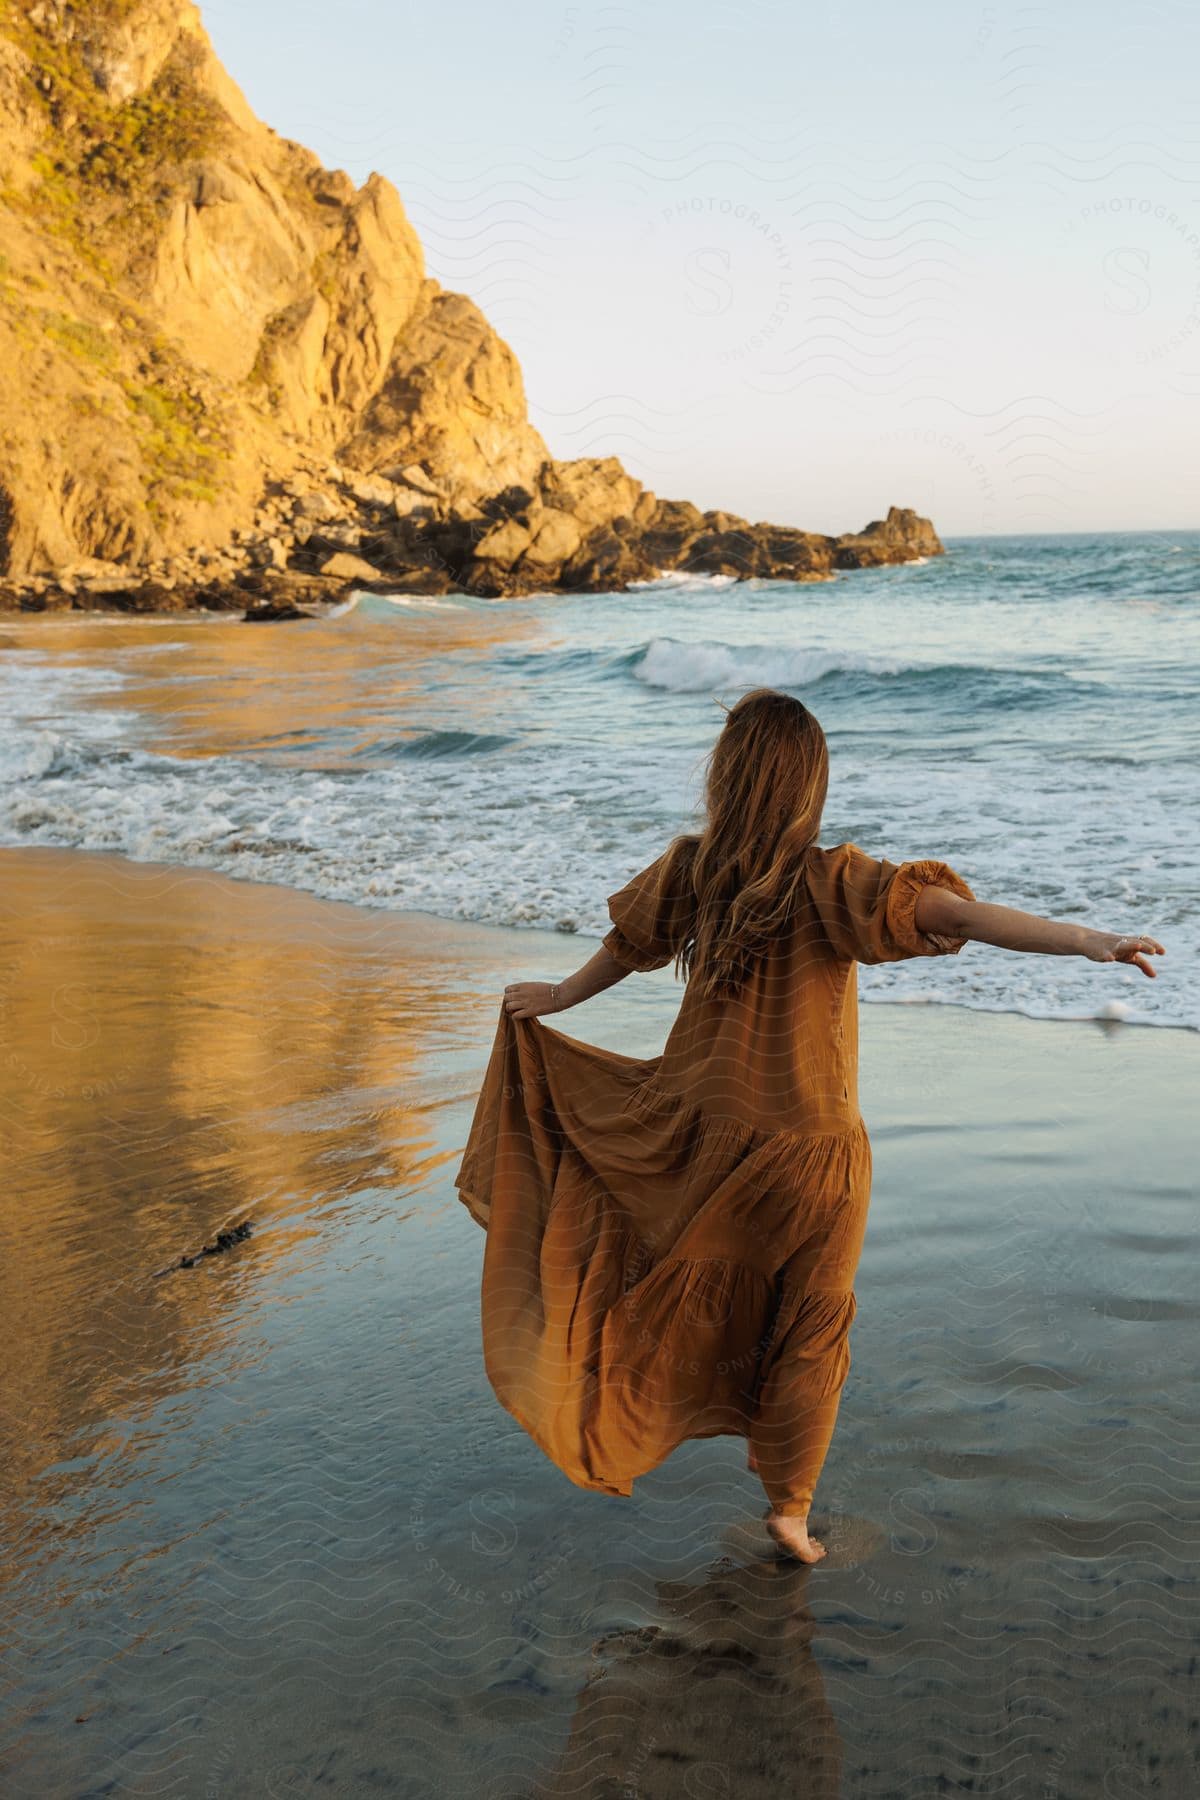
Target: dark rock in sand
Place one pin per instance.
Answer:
(269, 594)
(224, 1240)
(266, 611)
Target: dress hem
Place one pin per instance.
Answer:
(596, 1484)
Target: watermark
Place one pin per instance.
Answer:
(1136, 262)
(957, 475)
(911, 1522)
(1125, 1781)
(1102, 1334)
(731, 271)
(218, 1773)
(597, 50)
(985, 29)
(488, 1542)
(567, 33)
(52, 1038)
(288, 1779)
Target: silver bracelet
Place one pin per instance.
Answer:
(554, 997)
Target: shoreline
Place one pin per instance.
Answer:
(477, 933)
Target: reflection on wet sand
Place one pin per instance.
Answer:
(267, 1532)
(160, 1085)
(723, 1697)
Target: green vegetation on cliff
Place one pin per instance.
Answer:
(198, 322)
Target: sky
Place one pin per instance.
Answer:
(801, 262)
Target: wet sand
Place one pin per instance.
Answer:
(266, 1531)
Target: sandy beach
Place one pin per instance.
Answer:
(397, 498)
(267, 1532)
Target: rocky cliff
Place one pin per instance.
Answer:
(226, 379)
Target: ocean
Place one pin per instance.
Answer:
(1024, 707)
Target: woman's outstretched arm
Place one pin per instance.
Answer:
(529, 999)
(943, 913)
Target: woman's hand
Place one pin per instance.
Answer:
(529, 999)
(1106, 946)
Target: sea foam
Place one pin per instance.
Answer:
(695, 668)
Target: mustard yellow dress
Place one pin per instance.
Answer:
(672, 1241)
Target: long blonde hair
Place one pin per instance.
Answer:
(766, 781)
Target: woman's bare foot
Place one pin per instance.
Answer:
(791, 1534)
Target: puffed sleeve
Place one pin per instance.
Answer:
(866, 906)
(640, 913)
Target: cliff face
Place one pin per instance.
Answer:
(217, 355)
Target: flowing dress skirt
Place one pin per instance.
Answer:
(655, 1272)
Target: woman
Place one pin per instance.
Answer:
(672, 1241)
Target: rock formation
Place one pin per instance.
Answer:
(226, 381)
